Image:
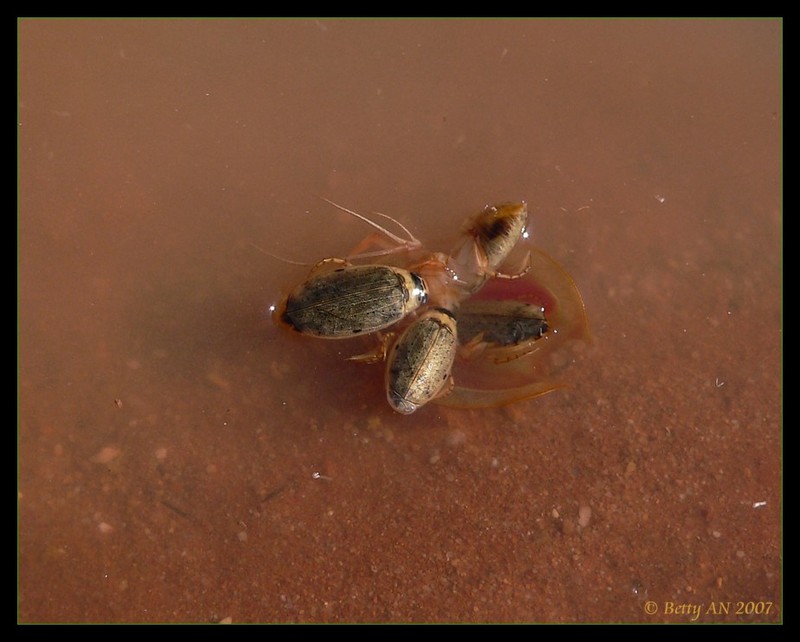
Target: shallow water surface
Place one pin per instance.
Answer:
(181, 459)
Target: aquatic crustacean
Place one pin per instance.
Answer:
(500, 372)
(486, 241)
(340, 300)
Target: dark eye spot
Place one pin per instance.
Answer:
(495, 229)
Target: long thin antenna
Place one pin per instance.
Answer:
(280, 258)
(411, 244)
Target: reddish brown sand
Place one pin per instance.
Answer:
(183, 460)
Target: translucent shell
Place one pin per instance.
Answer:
(487, 240)
(504, 374)
(497, 229)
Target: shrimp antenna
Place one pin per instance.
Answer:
(280, 258)
(411, 244)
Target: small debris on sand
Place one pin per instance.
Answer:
(106, 454)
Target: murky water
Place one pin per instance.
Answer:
(181, 459)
